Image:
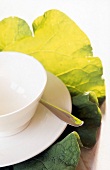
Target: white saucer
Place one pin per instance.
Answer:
(43, 129)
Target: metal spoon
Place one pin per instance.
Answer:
(62, 114)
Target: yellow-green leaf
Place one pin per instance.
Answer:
(12, 29)
(65, 50)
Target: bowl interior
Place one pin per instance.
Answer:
(22, 80)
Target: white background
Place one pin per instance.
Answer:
(93, 17)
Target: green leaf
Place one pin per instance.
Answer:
(85, 107)
(63, 155)
(12, 29)
(65, 50)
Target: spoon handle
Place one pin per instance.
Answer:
(62, 114)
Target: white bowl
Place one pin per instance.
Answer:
(22, 82)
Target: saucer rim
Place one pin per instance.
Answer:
(55, 137)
